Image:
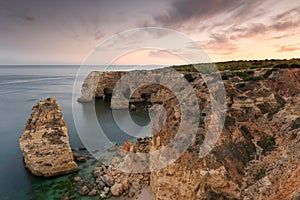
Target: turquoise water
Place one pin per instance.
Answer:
(20, 88)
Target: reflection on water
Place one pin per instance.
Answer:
(107, 122)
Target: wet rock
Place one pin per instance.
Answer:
(79, 158)
(65, 197)
(93, 192)
(84, 191)
(113, 148)
(132, 107)
(78, 180)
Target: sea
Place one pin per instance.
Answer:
(21, 87)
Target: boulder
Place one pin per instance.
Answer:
(45, 143)
(93, 192)
(78, 180)
(84, 191)
(117, 189)
(79, 158)
(108, 180)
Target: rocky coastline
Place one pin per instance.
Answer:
(256, 156)
(255, 133)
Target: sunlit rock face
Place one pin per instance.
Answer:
(45, 143)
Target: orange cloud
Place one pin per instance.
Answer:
(289, 48)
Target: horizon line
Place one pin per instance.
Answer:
(215, 62)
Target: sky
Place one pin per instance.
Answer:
(67, 31)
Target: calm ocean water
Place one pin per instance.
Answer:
(20, 88)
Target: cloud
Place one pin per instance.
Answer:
(282, 36)
(227, 22)
(196, 11)
(287, 14)
(275, 26)
(220, 48)
(219, 44)
(26, 17)
(280, 24)
(16, 13)
(288, 48)
(252, 30)
(165, 54)
(219, 38)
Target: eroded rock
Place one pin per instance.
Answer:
(45, 143)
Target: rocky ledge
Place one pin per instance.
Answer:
(45, 143)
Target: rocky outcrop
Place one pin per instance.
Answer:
(45, 143)
(98, 84)
(138, 83)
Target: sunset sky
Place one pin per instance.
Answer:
(65, 31)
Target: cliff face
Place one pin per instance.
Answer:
(101, 84)
(45, 143)
(98, 84)
(257, 154)
(276, 175)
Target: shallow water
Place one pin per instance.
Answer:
(20, 88)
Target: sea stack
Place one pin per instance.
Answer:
(45, 142)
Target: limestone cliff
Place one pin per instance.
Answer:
(257, 154)
(98, 84)
(139, 83)
(45, 143)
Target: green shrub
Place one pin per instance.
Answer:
(267, 144)
(269, 72)
(295, 66)
(281, 66)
